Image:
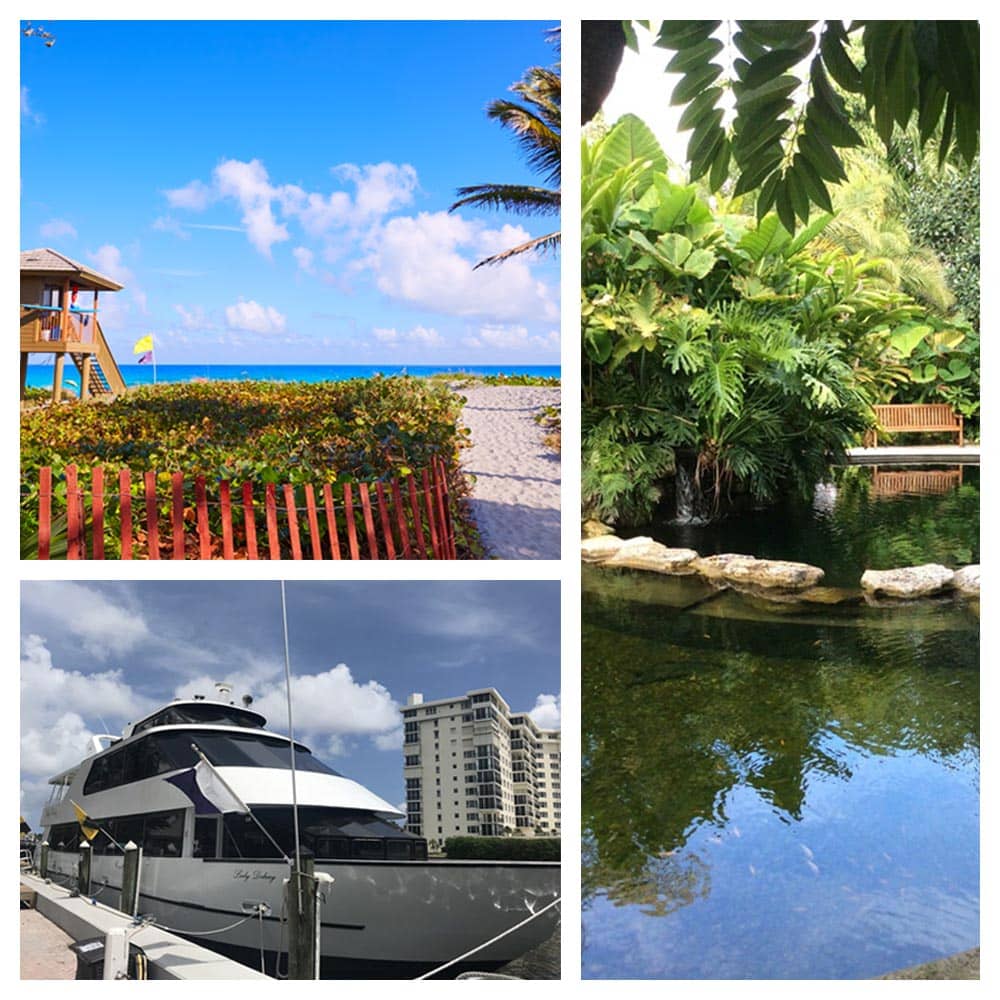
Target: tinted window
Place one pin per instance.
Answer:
(330, 834)
(205, 832)
(216, 715)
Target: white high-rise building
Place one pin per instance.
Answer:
(473, 767)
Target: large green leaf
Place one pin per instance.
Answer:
(631, 139)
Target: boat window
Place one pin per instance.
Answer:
(398, 850)
(65, 837)
(367, 849)
(163, 834)
(329, 833)
(216, 715)
(206, 833)
(159, 834)
(160, 753)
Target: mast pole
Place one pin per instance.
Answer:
(291, 744)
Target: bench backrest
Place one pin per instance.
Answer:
(915, 415)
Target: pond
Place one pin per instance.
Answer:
(783, 792)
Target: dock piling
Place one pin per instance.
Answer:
(83, 872)
(130, 879)
(43, 859)
(302, 906)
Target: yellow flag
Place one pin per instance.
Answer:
(85, 822)
(143, 344)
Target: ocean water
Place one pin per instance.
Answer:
(40, 376)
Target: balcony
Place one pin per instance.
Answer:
(47, 329)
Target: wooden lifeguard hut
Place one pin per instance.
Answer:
(56, 320)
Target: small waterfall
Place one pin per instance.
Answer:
(691, 506)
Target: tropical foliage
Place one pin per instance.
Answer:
(738, 354)
(534, 120)
(789, 149)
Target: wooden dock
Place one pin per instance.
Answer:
(922, 454)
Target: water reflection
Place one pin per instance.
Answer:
(791, 795)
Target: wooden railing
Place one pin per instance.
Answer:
(407, 518)
(44, 325)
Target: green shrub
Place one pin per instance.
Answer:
(503, 848)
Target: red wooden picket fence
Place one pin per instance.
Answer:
(406, 518)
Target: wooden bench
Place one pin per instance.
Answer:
(911, 418)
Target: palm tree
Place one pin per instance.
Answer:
(535, 124)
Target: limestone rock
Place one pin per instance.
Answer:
(811, 595)
(596, 550)
(594, 529)
(764, 573)
(966, 581)
(645, 554)
(908, 582)
(714, 567)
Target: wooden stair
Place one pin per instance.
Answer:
(105, 375)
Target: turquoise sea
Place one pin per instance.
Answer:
(40, 376)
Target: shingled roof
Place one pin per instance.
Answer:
(47, 261)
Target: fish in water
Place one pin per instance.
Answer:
(813, 867)
(805, 850)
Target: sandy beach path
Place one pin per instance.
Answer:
(515, 498)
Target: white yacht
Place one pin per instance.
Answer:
(391, 911)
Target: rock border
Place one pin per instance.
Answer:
(777, 579)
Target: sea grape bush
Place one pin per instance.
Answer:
(260, 432)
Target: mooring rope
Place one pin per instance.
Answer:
(493, 940)
(174, 930)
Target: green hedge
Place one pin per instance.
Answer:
(503, 848)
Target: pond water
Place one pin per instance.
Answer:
(862, 518)
(783, 792)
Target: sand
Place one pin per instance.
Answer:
(515, 497)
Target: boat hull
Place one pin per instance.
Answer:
(379, 918)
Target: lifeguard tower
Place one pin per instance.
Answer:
(59, 317)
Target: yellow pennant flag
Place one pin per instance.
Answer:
(86, 827)
(143, 344)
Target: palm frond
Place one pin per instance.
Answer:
(521, 199)
(541, 244)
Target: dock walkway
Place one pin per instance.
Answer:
(76, 918)
(943, 454)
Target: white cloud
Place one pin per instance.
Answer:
(103, 628)
(254, 317)
(56, 228)
(428, 260)
(195, 196)
(547, 711)
(304, 257)
(194, 318)
(334, 703)
(379, 188)
(420, 335)
(27, 111)
(248, 183)
(55, 703)
(168, 224)
(108, 260)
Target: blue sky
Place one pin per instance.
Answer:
(95, 655)
(278, 191)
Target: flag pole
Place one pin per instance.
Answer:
(99, 829)
(225, 784)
